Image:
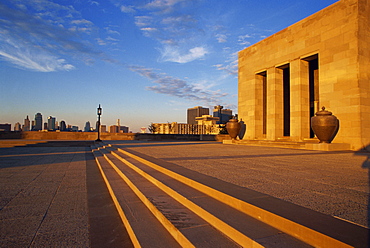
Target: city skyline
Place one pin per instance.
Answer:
(143, 61)
(56, 123)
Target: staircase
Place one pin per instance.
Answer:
(162, 208)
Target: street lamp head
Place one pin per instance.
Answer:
(99, 110)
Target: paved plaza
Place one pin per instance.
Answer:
(52, 193)
(334, 183)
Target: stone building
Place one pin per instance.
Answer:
(322, 60)
(206, 125)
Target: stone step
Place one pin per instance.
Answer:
(220, 215)
(143, 228)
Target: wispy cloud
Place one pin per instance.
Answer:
(231, 64)
(164, 6)
(178, 87)
(172, 24)
(174, 54)
(221, 38)
(35, 36)
(127, 9)
(36, 62)
(243, 39)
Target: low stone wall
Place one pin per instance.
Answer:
(35, 135)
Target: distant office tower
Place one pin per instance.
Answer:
(103, 128)
(118, 122)
(196, 112)
(74, 129)
(51, 123)
(17, 127)
(123, 129)
(114, 129)
(5, 127)
(63, 126)
(26, 126)
(87, 127)
(38, 122)
(45, 126)
(223, 114)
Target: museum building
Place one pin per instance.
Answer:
(322, 60)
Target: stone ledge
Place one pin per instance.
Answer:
(229, 141)
(294, 145)
(328, 147)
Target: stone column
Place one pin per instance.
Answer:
(274, 104)
(259, 105)
(299, 101)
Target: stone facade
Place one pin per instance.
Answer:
(323, 60)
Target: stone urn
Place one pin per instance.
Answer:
(233, 128)
(325, 125)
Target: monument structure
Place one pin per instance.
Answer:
(322, 60)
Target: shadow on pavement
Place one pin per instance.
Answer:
(366, 165)
(42, 153)
(129, 144)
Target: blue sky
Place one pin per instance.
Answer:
(143, 60)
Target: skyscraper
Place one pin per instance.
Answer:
(26, 126)
(17, 127)
(63, 126)
(38, 122)
(224, 114)
(87, 127)
(51, 123)
(196, 112)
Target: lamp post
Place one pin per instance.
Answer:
(99, 114)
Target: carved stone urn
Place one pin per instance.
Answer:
(325, 125)
(233, 128)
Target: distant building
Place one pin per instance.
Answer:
(51, 123)
(114, 129)
(196, 112)
(45, 126)
(63, 126)
(209, 127)
(87, 127)
(17, 127)
(38, 122)
(123, 129)
(103, 128)
(207, 120)
(74, 129)
(5, 127)
(26, 125)
(224, 115)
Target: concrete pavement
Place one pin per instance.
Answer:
(43, 197)
(52, 195)
(334, 183)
